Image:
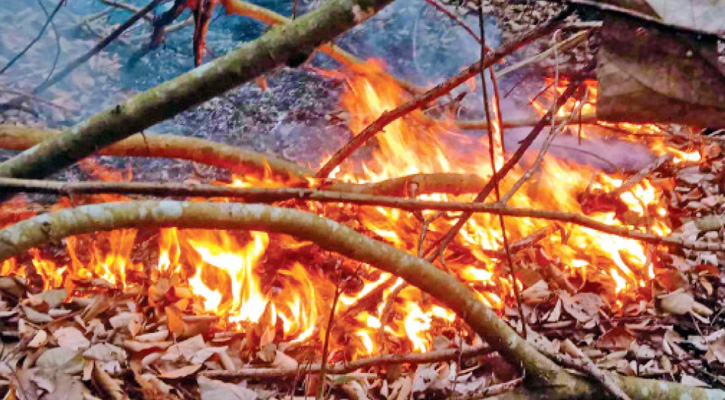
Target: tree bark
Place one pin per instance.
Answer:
(541, 372)
(287, 44)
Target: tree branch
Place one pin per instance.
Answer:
(281, 45)
(260, 195)
(541, 372)
(344, 368)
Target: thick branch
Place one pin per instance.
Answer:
(281, 45)
(193, 149)
(344, 368)
(332, 236)
(328, 234)
(245, 162)
(419, 101)
(260, 195)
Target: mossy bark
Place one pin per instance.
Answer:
(284, 44)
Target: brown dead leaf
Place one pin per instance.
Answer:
(153, 336)
(71, 338)
(678, 302)
(39, 340)
(155, 389)
(584, 307)
(217, 390)
(186, 350)
(136, 347)
(111, 386)
(617, 338)
(179, 373)
(536, 293)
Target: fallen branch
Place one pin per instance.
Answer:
(261, 195)
(235, 159)
(419, 101)
(282, 45)
(193, 149)
(541, 372)
(344, 368)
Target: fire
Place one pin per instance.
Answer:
(248, 278)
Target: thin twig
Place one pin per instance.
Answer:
(524, 145)
(326, 344)
(343, 368)
(586, 119)
(35, 40)
(415, 103)
(492, 157)
(639, 176)
(260, 195)
(539, 158)
(97, 48)
(57, 40)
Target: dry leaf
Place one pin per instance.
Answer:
(217, 390)
(35, 316)
(105, 352)
(71, 338)
(53, 298)
(180, 372)
(185, 350)
(39, 340)
(110, 385)
(153, 336)
(354, 390)
(155, 389)
(584, 307)
(134, 346)
(678, 302)
(617, 338)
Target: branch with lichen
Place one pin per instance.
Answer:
(542, 374)
(245, 162)
(285, 44)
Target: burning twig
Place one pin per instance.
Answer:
(415, 103)
(326, 344)
(363, 363)
(524, 145)
(539, 157)
(173, 146)
(492, 157)
(636, 178)
(274, 195)
(276, 47)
